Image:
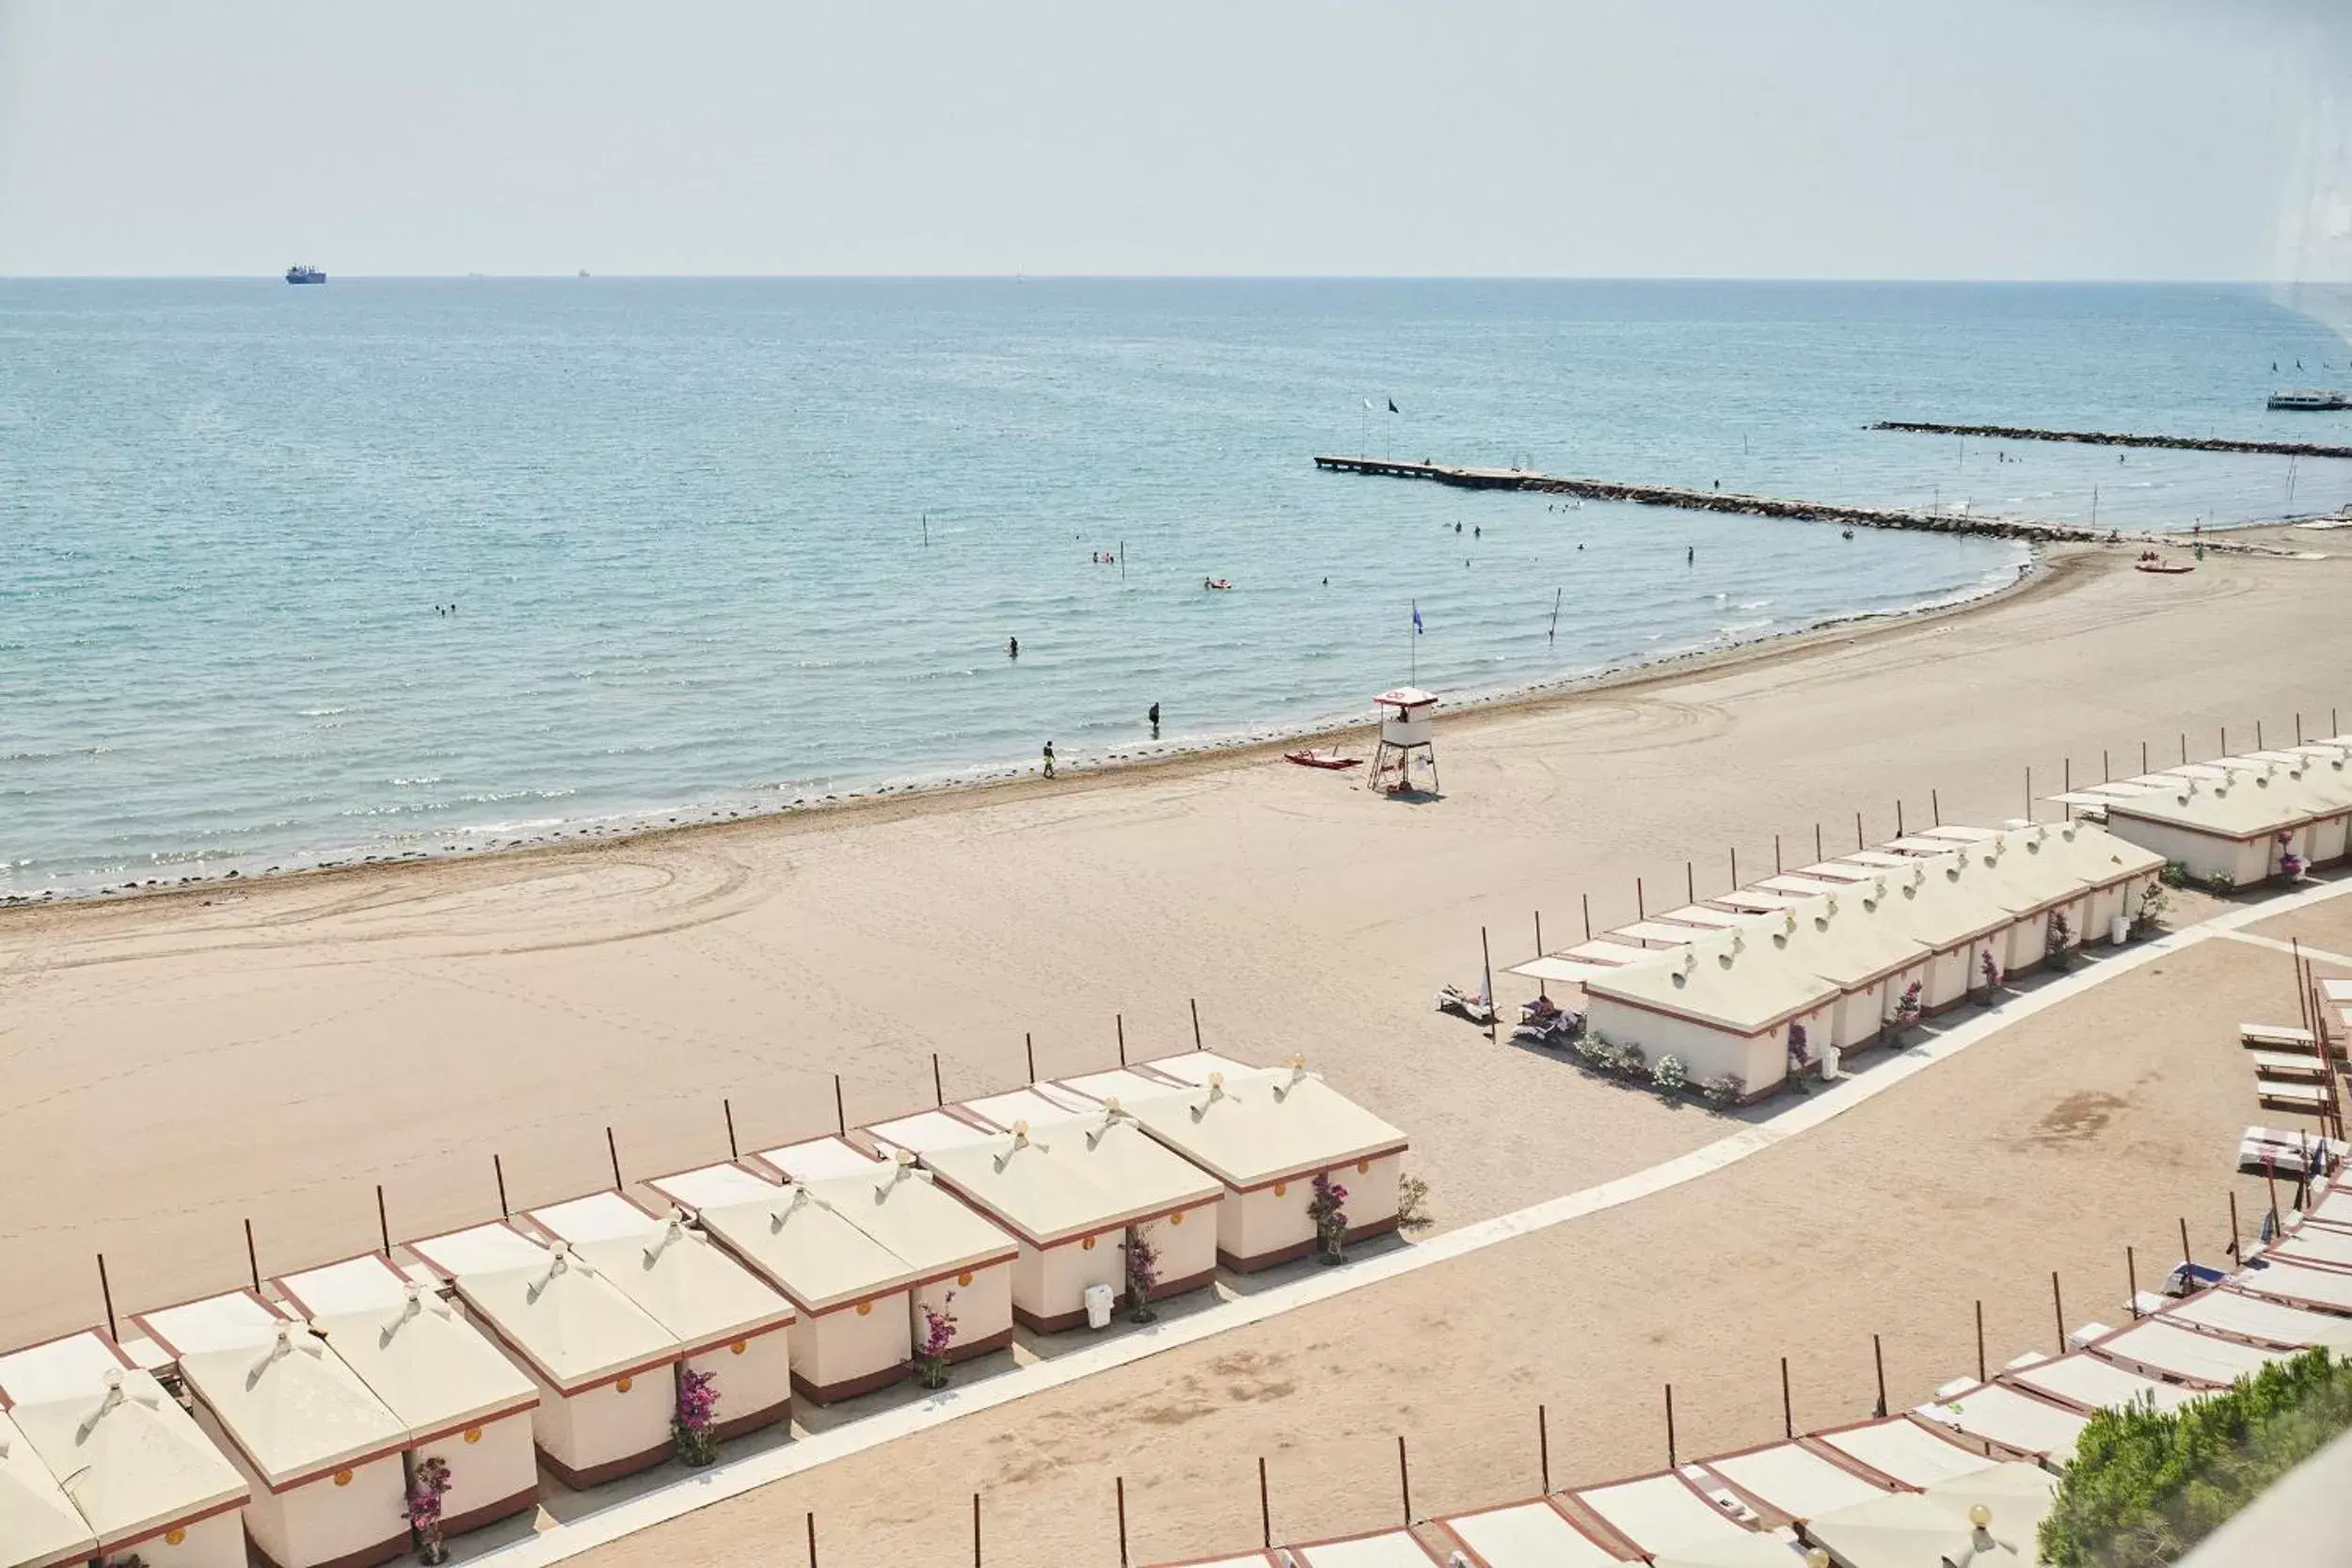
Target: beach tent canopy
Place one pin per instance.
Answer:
(1121, 1084)
(1015, 1178)
(431, 1369)
(1267, 1127)
(1562, 970)
(1660, 1513)
(817, 1160)
(225, 1322)
(927, 1131)
(130, 1458)
(1389, 1548)
(1528, 1535)
(1114, 1151)
(1036, 1102)
(1902, 1449)
(2228, 1311)
(1794, 1479)
(815, 1256)
(40, 1526)
(932, 1232)
(575, 1327)
(1197, 1067)
(715, 1187)
(1739, 981)
(1732, 1551)
(2017, 1422)
(2091, 1384)
(292, 1408)
(2162, 1347)
(2018, 1497)
(2328, 1289)
(677, 1278)
(363, 1284)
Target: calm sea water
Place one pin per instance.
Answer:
(684, 523)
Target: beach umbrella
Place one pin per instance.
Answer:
(1905, 1530)
(1734, 1551)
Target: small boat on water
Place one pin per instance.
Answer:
(298, 273)
(2309, 400)
(1312, 758)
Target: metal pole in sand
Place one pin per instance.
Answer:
(1029, 1047)
(939, 1091)
(1980, 1338)
(1776, 854)
(1817, 843)
(1878, 1359)
(252, 1262)
(1690, 883)
(2068, 776)
(1641, 904)
(1120, 1483)
(1589, 915)
(1898, 820)
(2029, 789)
(497, 1168)
(613, 1149)
(2183, 747)
(2270, 1175)
(2225, 740)
(1670, 1426)
(1935, 808)
(2299, 729)
(1787, 1410)
(840, 1117)
(1543, 1447)
(2185, 1259)
(2143, 756)
(728, 1108)
(2058, 1310)
(1735, 866)
(1487, 969)
(383, 1225)
(1404, 1481)
(975, 1531)
(812, 1541)
(2131, 1279)
(107, 1294)
(1541, 987)
(1857, 830)
(2258, 736)
(1266, 1508)
(1119, 1021)
(2233, 1229)
(1196, 1022)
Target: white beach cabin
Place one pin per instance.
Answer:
(40, 1526)
(963, 1264)
(734, 1326)
(324, 1456)
(460, 1398)
(141, 1475)
(1723, 1007)
(604, 1368)
(2238, 827)
(1268, 1135)
(853, 1294)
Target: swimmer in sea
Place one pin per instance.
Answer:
(1013, 647)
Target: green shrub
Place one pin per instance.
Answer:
(2145, 1486)
(2175, 874)
(2221, 884)
(1668, 1074)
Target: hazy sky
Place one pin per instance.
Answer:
(1995, 138)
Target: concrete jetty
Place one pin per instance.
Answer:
(2115, 439)
(1716, 501)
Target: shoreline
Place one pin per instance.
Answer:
(2046, 563)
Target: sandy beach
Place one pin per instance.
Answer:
(176, 1066)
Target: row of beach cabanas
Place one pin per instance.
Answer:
(1823, 959)
(1967, 1477)
(297, 1416)
(2239, 819)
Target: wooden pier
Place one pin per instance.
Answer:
(1723, 500)
(2115, 439)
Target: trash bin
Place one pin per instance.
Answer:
(2119, 930)
(1098, 1299)
(1831, 1060)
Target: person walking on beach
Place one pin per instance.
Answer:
(1049, 759)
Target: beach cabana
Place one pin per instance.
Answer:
(604, 1370)
(1036, 1102)
(1387, 1548)
(2321, 1290)
(814, 1161)
(1900, 1448)
(1267, 1136)
(1197, 1067)
(2256, 1321)
(40, 1526)
(225, 1322)
(461, 1399)
(853, 1294)
(2237, 827)
(1071, 1219)
(1851, 940)
(2027, 1425)
(1955, 916)
(1532, 1534)
(2088, 1382)
(323, 1457)
(1723, 1007)
(135, 1467)
(963, 1265)
(734, 1327)
(1903, 1529)
(2159, 1349)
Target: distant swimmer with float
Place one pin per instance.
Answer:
(1220, 585)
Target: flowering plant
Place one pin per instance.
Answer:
(2289, 864)
(1725, 1090)
(1907, 1011)
(1799, 1059)
(1669, 1074)
(1992, 973)
(692, 1428)
(939, 1332)
(1143, 1273)
(430, 1483)
(2062, 937)
(1327, 1209)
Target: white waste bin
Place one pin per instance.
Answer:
(1831, 1057)
(1098, 1299)
(2119, 930)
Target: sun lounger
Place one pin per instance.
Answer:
(2008, 1417)
(2282, 1153)
(2283, 1064)
(2280, 1094)
(2325, 1244)
(2276, 1036)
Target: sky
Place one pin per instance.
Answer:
(1726, 138)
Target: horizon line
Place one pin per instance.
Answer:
(580, 275)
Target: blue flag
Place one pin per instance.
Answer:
(1417, 626)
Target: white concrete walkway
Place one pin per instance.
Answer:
(720, 1481)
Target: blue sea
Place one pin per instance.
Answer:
(719, 547)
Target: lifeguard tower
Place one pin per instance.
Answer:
(1405, 730)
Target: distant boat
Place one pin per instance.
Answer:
(305, 275)
(584, 272)
(2309, 401)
